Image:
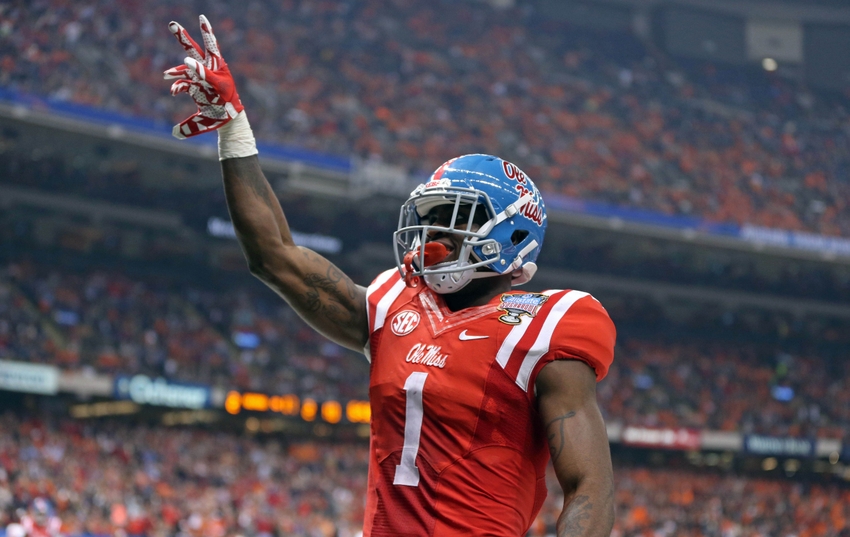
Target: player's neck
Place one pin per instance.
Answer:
(477, 293)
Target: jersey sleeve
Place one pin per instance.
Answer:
(585, 333)
(380, 295)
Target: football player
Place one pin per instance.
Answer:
(471, 381)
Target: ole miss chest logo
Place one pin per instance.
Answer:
(404, 322)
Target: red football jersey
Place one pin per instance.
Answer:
(457, 447)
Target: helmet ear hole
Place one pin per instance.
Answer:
(518, 236)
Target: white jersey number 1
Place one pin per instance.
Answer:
(407, 473)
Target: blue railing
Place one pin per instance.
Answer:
(162, 129)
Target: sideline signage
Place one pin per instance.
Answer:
(681, 438)
(771, 445)
(144, 390)
(29, 378)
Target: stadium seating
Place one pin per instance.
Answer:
(118, 183)
(113, 324)
(413, 83)
(748, 388)
(21, 330)
(103, 477)
(244, 340)
(592, 116)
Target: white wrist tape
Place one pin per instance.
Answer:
(236, 139)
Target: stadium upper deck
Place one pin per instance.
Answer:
(412, 83)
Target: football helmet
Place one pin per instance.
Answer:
(507, 242)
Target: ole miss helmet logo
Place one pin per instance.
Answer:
(404, 322)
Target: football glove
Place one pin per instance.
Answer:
(205, 76)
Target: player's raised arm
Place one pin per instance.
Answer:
(578, 443)
(321, 294)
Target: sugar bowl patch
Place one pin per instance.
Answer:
(515, 306)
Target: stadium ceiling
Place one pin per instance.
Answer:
(832, 11)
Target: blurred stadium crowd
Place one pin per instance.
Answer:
(111, 479)
(110, 323)
(601, 118)
(119, 181)
(596, 117)
(238, 339)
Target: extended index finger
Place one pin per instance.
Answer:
(189, 45)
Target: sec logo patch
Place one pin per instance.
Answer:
(404, 322)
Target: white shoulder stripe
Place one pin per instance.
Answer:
(511, 341)
(379, 281)
(516, 334)
(541, 345)
(385, 303)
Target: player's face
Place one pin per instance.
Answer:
(442, 216)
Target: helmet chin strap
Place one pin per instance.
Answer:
(450, 282)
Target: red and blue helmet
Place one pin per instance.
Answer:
(508, 242)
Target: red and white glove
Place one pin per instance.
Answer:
(205, 76)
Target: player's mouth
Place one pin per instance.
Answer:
(450, 248)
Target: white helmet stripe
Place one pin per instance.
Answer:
(509, 211)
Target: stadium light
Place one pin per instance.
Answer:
(309, 409)
(769, 64)
(358, 411)
(331, 411)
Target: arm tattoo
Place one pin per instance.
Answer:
(574, 515)
(333, 305)
(336, 276)
(557, 434)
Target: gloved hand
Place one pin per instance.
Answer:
(205, 76)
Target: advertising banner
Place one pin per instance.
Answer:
(219, 227)
(685, 439)
(771, 445)
(29, 378)
(144, 390)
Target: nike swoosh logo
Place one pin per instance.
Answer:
(466, 337)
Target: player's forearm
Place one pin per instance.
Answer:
(588, 511)
(578, 443)
(237, 151)
(256, 214)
